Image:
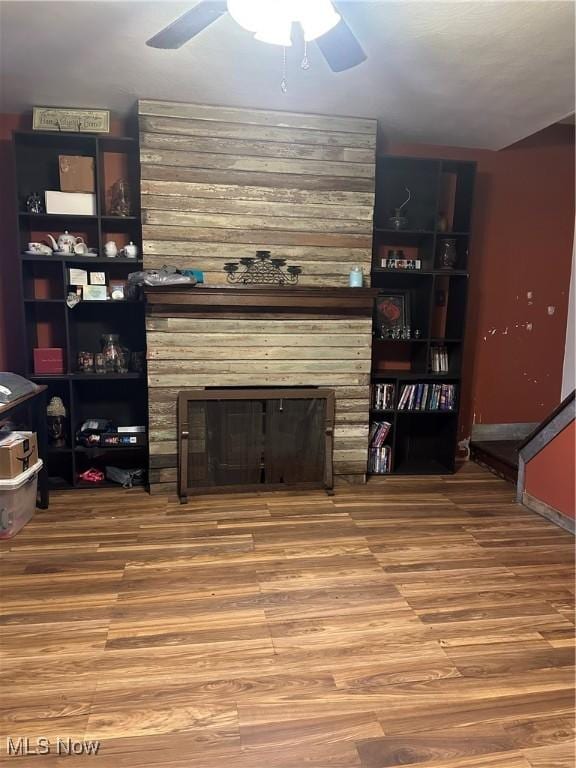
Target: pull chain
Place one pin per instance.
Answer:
(283, 82)
(305, 63)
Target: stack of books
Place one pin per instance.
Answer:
(427, 397)
(439, 359)
(380, 454)
(380, 460)
(383, 397)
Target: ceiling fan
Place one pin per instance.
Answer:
(271, 21)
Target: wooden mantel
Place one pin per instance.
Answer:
(236, 336)
(176, 299)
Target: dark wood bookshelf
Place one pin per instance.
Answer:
(422, 441)
(49, 322)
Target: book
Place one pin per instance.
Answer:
(383, 397)
(427, 397)
(380, 433)
(380, 460)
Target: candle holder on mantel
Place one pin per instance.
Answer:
(261, 269)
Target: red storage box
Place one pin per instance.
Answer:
(48, 360)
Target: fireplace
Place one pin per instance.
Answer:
(254, 439)
(229, 339)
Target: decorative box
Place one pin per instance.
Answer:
(48, 360)
(70, 203)
(76, 173)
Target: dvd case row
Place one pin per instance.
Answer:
(427, 397)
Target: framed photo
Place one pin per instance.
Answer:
(392, 311)
(97, 278)
(94, 293)
(72, 120)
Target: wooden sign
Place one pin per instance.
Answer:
(71, 120)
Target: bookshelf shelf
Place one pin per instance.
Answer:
(416, 272)
(73, 259)
(422, 441)
(390, 231)
(107, 448)
(77, 217)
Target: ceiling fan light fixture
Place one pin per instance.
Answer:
(271, 20)
(317, 18)
(250, 14)
(275, 35)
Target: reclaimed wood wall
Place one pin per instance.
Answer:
(219, 183)
(216, 185)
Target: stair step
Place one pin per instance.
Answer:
(501, 456)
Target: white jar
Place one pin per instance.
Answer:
(356, 278)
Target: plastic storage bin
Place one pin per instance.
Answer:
(18, 501)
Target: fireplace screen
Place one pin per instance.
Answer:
(250, 439)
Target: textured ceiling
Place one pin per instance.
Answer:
(476, 74)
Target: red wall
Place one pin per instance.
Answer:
(11, 336)
(550, 474)
(522, 241)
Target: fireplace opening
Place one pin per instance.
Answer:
(254, 439)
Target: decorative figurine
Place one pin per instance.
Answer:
(120, 198)
(34, 203)
(447, 253)
(56, 420)
(399, 220)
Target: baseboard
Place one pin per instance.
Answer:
(515, 431)
(541, 508)
(349, 479)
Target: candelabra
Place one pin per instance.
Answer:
(261, 270)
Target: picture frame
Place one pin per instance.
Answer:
(70, 120)
(97, 278)
(392, 311)
(94, 293)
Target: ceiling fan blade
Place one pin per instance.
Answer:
(188, 25)
(340, 47)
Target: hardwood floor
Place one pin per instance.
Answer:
(413, 621)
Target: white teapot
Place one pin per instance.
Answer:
(130, 251)
(67, 243)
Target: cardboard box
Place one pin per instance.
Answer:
(48, 360)
(70, 203)
(76, 173)
(18, 453)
